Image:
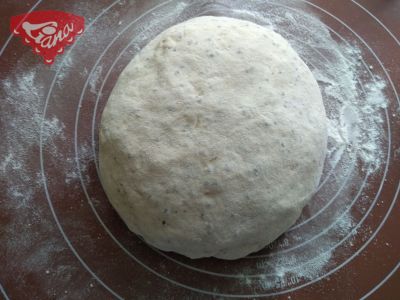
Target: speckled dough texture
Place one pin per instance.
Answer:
(213, 139)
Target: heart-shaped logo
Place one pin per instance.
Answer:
(47, 32)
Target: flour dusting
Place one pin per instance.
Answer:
(73, 173)
(24, 122)
(355, 101)
(354, 97)
(93, 82)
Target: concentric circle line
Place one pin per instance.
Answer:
(11, 35)
(366, 67)
(302, 264)
(363, 41)
(378, 21)
(84, 187)
(345, 41)
(3, 292)
(110, 69)
(122, 52)
(344, 263)
(344, 239)
(89, 200)
(362, 87)
(364, 245)
(334, 166)
(128, 45)
(387, 277)
(358, 36)
(397, 192)
(319, 187)
(100, 92)
(44, 179)
(321, 210)
(286, 291)
(43, 169)
(241, 296)
(368, 211)
(348, 208)
(387, 118)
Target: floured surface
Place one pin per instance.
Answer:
(344, 233)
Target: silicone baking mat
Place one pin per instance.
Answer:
(61, 239)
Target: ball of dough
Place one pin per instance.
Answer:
(213, 139)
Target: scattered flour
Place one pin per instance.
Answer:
(21, 106)
(355, 101)
(95, 79)
(21, 137)
(72, 172)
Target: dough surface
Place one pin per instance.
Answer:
(213, 139)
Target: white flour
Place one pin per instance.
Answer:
(94, 80)
(355, 110)
(356, 131)
(23, 97)
(72, 172)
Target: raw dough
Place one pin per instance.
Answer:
(213, 139)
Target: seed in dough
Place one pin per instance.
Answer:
(213, 139)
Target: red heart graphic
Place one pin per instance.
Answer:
(47, 32)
